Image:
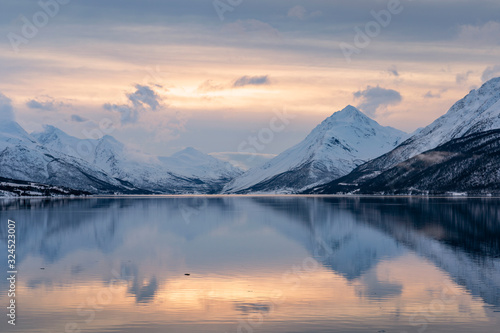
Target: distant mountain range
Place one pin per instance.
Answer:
(348, 153)
(104, 166)
(188, 171)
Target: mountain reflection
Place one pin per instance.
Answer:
(149, 239)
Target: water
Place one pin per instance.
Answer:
(255, 264)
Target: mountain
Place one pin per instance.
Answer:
(479, 111)
(12, 134)
(340, 143)
(469, 164)
(22, 158)
(188, 171)
(244, 161)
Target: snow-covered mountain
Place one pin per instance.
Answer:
(188, 171)
(23, 158)
(469, 164)
(477, 112)
(340, 143)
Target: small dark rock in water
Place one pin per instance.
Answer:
(42, 267)
(187, 274)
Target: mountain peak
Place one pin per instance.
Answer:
(51, 134)
(110, 139)
(189, 151)
(348, 111)
(332, 149)
(12, 132)
(490, 86)
(475, 103)
(494, 81)
(49, 129)
(349, 114)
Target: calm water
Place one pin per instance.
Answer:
(262, 264)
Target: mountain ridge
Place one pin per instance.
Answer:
(187, 171)
(468, 164)
(478, 111)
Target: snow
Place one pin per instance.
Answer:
(343, 141)
(335, 147)
(11, 134)
(457, 194)
(479, 111)
(187, 171)
(242, 160)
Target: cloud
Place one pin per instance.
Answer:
(144, 96)
(142, 100)
(299, 12)
(393, 70)
(251, 81)
(373, 98)
(128, 115)
(209, 86)
(77, 118)
(6, 110)
(33, 104)
(487, 34)
(45, 103)
(463, 77)
(490, 73)
(430, 94)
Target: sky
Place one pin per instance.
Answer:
(233, 77)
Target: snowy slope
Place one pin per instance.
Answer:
(343, 141)
(479, 111)
(470, 164)
(11, 134)
(23, 158)
(191, 162)
(188, 171)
